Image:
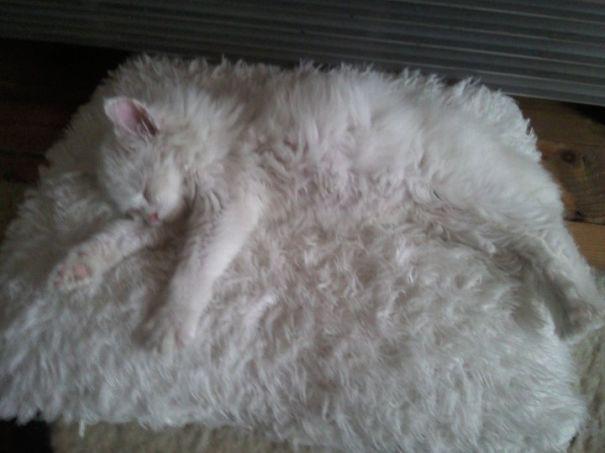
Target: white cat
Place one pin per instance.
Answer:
(198, 159)
(153, 182)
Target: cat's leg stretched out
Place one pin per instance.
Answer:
(516, 205)
(215, 235)
(90, 259)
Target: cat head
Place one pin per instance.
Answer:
(137, 169)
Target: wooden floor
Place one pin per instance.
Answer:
(42, 84)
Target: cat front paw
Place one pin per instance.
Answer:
(77, 269)
(169, 329)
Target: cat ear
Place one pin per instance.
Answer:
(130, 117)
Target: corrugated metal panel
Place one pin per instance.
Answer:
(544, 48)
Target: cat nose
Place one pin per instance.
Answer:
(154, 217)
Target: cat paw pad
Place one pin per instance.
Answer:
(76, 270)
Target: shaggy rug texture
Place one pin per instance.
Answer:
(368, 327)
(589, 356)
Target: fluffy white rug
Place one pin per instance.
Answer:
(374, 325)
(589, 356)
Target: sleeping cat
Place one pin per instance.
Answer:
(195, 164)
(153, 183)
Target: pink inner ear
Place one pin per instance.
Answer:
(130, 116)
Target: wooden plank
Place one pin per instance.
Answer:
(580, 171)
(565, 123)
(572, 142)
(591, 241)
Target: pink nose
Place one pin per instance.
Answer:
(153, 217)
